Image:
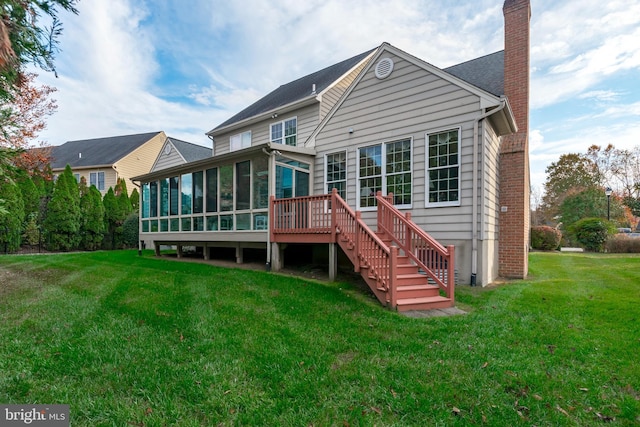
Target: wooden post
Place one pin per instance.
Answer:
(179, 251)
(451, 279)
(393, 271)
(356, 243)
(239, 258)
(333, 261)
(408, 238)
(156, 248)
(334, 222)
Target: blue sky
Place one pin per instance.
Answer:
(132, 66)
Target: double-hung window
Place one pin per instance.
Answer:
(443, 168)
(97, 179)
(285, 132)
(385, 167)
(336, 167)
(240, 141)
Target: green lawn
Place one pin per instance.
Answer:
(128, 340)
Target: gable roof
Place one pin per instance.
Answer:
(486, 72)
(489, 76)
(97, 152)
(190, 152)
(297, 90)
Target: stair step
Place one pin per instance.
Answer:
(417, 291)
(411, 279)
(424, 303)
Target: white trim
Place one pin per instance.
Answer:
(284, 137)
(346, 168)
(383, 184)
(241, 137)
(428, 204)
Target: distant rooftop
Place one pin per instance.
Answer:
(99, 151)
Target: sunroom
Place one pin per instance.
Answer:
(222, 201)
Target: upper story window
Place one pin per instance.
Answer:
(385, 167)
(240, 141)
(285, 132)
(443, 168)
(97, 179)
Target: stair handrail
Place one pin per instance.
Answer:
(417, 244)
(380, 260)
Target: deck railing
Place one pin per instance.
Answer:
(330, 214)
(369, 251)
(301, 215)
(434, 259)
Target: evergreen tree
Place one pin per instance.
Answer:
(93, 225)
(135, 200)
(63, 220)
(11, 217)
(123, 198)
(113, 218)
(30, 193)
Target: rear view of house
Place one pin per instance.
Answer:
(391, 159)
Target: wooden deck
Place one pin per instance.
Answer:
(404, 267)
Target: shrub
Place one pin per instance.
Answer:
(592, 233)
(130, 230)
(545, 238)
(622, 244)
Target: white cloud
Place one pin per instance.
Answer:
(576, 45)
(601, 95)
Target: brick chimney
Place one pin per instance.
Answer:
(514, 152)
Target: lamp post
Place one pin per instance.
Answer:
(608, 192)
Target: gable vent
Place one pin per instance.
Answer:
(384, 67)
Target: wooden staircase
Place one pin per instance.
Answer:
(404, 267)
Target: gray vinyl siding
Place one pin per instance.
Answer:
(167, 160)
(307, 123)
(409, 103)
(330, 97)
(491, 182)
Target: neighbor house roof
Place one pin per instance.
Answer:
(486, 72)
(297, 89)
(99, 151)
(190, 152)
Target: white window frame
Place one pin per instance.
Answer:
(326, 171)
(283, 137)
(384, 173)
(240, 141)
(96, 181)
(428, 169)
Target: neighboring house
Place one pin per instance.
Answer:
(175, 152)
(102, 161)
(450, 144)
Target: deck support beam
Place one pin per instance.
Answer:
(239, 257)
(277, 256)
(205, 253)
(156, 247)
(179, 251)
(333, 261)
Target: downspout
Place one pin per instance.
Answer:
(474, 197)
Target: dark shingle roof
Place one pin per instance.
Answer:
(486, 72)
(297, 89)
(99, 151)
(191, 152)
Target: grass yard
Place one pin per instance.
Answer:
(128, 340)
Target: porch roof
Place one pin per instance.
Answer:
(265, 148)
